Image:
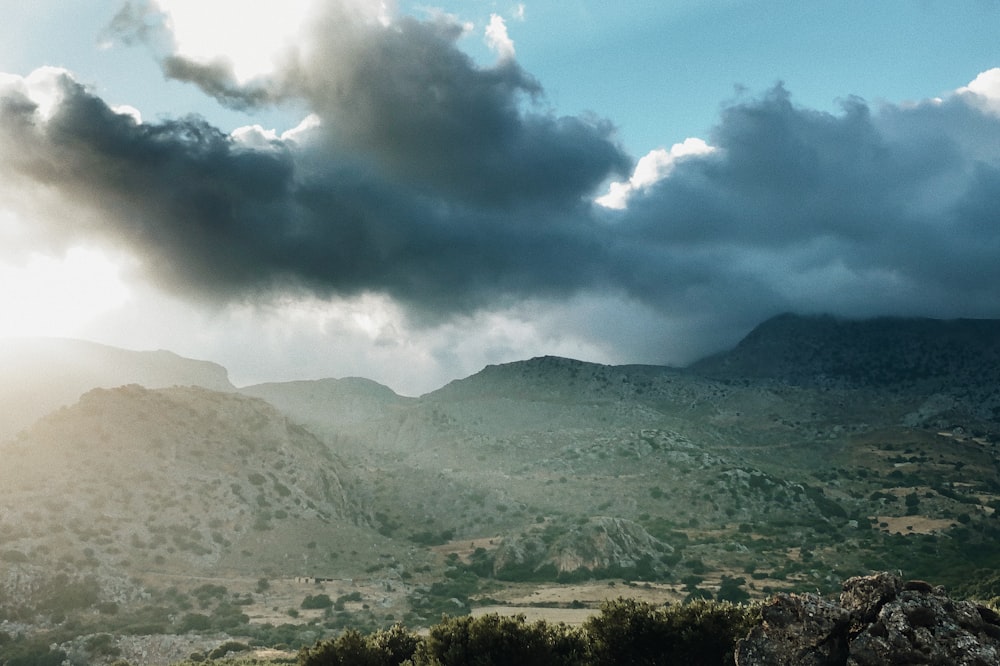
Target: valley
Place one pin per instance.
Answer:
(281, 513)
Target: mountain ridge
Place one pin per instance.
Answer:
(879, 351)
(541, 471)
(38, 375)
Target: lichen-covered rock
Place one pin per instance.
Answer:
(925, 628)
(879, 621)
(865, 596)
(795, 630)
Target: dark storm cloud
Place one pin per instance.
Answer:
(212, 217)
(404, 96)
(441, 184)
(859, 213)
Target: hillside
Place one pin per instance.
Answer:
(183, 482)
(38, 375)
(329, 406)
(920, 354)
(776, 466)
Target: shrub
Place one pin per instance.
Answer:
(387, 647)
(195, 622)
(626, 632)
(634, 632)
(492, 640)
(226, 648)
(314, 601)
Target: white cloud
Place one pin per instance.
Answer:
(128, 110)
(369, 336)
(985, 90)
(519, 12)
(251, 35)
(41, 86)
(497, 38)
(651, 168)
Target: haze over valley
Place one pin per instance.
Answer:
(816, 450)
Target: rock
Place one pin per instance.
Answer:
(795, 630)
(879, 621)
(601, 544)
(864, 596)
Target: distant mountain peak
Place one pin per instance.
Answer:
(38, 375)
(881, 351)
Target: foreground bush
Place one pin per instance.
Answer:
(625, 632)
(634, 632)
(386, 647)
(492, 640)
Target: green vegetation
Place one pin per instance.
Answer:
(625, 632)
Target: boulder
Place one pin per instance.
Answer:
(878, 621)
(801, 630)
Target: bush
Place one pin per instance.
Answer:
(102, 645)
(31, 652)
(634, 632)
(226, 648)
(387, 647)
(314, 601)
(194, 622)
(702, 633)
(493, 640)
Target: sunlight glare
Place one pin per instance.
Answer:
(57, 296)
(249, 34)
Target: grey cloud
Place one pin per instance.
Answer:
(214, 219)
(218, 79)
(405, 97)
(858, 213)
(431, 180)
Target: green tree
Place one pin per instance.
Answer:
(317, 601)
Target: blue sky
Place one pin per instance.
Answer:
(659, 70)
(443, 206)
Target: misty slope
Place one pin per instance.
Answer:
(735, 469)
(551, 442)
(922, 354)
(181, 480)
(330, 405)
(548, 469)
(38, 375)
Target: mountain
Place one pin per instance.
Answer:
(920, 354)
(816, 450)
(38, 375)
(182, 481)
(330, 405)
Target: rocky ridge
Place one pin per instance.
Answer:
(601, 545)
(180, 481)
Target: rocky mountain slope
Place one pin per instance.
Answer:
(181, 481)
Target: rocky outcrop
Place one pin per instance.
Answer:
(878, 621)
(600, 545)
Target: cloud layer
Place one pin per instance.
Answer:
(447, 188)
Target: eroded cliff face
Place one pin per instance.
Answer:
(601, 544)
(879, 620)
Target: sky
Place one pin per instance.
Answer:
(409, 191)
